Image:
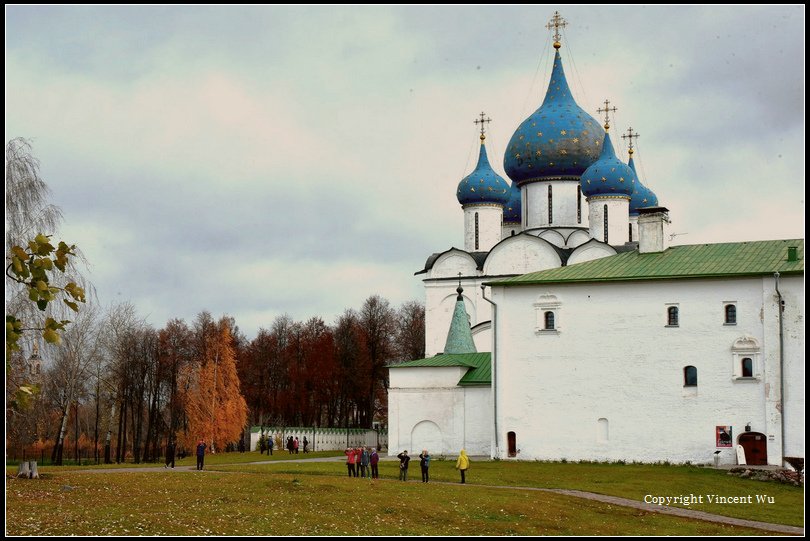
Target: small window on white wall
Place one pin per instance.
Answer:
(745, 359)
(729, 314)
(673, 315)
(547, 314)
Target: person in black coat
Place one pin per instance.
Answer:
(200, 454)
(170, 454)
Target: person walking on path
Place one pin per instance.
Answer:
(290, 444)
(350, 461)
(403, 465)
(170, 454)
(424, 463)
(200, 454)
(305, 445)
(463, 464)
(262, 444)
(270, 444)
(295, 445)
(373, 460)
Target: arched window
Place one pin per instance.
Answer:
(513, 233)
(579, 204)
(672, 316)
(689, 376)
(606, 223)
(549, 206)
(731, 314)
(476, 231)
(747, 367)
(630, 234)
(549, 317)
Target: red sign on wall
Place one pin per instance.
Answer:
(723, 436)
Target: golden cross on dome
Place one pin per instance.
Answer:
(631, 135)
(556, 23)
(482, 122)
(607, 110)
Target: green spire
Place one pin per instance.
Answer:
(459, 338)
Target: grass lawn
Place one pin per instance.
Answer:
(632, 481)
(241, 503)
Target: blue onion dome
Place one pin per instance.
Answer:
(608, 175)
(483, 185)
(511, 210)
(559, 140)
(642, 196)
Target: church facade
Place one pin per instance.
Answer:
(568, 328)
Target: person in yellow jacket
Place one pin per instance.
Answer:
(463, 463)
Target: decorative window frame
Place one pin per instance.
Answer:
(547, 303)
(726, 304)
(746, 347)
(667, 306)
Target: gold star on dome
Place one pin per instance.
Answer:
(472, 189)
(539, 134)
(563, 132)
(517, 156)
(621, 179)
(563, 151)
(604, 179)
(538, 153)
(576, 139)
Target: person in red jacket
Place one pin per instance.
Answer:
(350, 461)
(358, 453)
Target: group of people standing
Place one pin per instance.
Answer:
(293, 445)
(362, 462)
(462, 464)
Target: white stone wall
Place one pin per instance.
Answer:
(490, 221)
(534, 198)
(441, 419)
(452, 262)
(508, 230)
(519, 255)
(614, 367)
(589, 251)
(618, 217)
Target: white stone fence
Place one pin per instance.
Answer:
(320, 439)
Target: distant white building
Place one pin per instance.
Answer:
(605, 343)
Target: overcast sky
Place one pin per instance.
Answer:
(253, 161)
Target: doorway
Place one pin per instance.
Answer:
(756, 448)
(512, 443)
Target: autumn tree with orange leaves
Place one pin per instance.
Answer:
(215, 410)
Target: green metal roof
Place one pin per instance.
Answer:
(479, 363)
(482, 373)
(731, 259)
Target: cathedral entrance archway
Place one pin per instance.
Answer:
(426, 435)
(756, 448)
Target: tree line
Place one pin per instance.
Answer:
(116, 389)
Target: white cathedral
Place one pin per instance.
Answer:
(567, 328)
